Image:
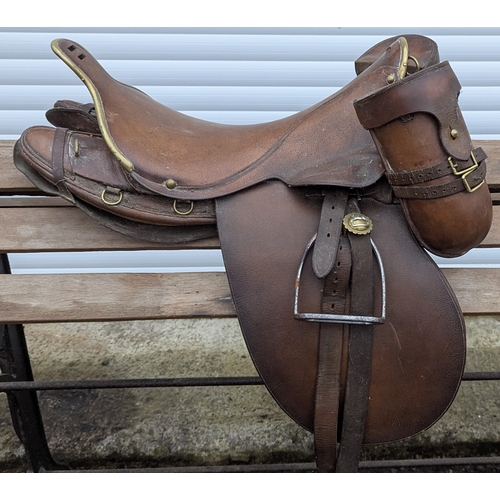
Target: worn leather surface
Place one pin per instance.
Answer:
(78, 174)
(141, 230)
(411, 122)
(208, 160)
(74, 115)
(418, 353)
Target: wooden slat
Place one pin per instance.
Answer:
(54, 229)
(34, 201)
(12, 180)
(493, 237)
(477, 290)
(108, 297)
(492, 149)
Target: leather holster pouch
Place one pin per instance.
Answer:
(430, 162)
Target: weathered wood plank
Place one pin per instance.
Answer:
(33, 201)
(477, 290)
(12, 180)
(493, 237)
(492, 149)
(108, 297)
(67, 229)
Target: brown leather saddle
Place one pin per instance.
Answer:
(322, 218)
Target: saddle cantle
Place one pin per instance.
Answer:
(351, 325)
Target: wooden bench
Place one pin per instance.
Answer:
(42, 224)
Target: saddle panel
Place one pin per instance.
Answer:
(418, 353)
(175, 155)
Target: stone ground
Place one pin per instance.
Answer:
(211, 426)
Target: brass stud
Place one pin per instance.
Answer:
(171, 184)
(454, 133)
(391, 78)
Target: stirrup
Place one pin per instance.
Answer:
(341, 318)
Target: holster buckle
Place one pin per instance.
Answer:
(465, 172)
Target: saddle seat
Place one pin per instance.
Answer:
(178, 156)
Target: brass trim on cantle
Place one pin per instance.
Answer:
(99, 107)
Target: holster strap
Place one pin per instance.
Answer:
(435, 172)
(470, 178)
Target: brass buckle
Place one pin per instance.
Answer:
(465, 172)
(467, 185)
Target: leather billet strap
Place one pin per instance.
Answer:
(350, 285)
(58, 155)
(329, 231)
(471, 175)
(328, 382)
(438, 171)
(469, 181)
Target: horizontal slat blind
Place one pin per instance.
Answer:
(230, 75)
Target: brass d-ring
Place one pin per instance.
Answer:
(111, 203)
(415, 60)
(187, 212)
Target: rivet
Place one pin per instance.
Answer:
(391, 78)
(454, 133)
(171, 184)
